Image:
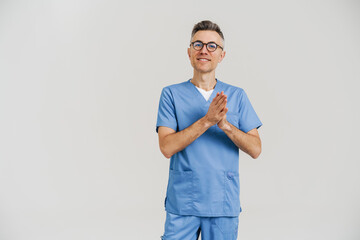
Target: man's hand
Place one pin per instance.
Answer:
(217, 110)
(223, 123)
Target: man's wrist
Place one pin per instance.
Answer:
(225, 126)
(206, 122)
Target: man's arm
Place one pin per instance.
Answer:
(249, 142)
(172, 142)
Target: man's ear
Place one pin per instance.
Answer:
(188, 50)
(222, 56)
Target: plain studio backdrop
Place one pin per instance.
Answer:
(80, 83)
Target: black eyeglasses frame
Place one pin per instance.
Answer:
(217, 45)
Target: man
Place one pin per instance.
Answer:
(201, 124)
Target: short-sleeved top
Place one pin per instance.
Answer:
(204, 176)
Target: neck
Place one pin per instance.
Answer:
(205, 81)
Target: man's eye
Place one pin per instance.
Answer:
(197, 44)
(212, 46)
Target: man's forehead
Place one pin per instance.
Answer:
(207, 35)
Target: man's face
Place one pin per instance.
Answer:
(202, 60)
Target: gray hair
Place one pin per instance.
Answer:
(207, 25)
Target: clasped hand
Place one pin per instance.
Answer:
(217, 111)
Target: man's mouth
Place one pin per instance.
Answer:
(203, 59)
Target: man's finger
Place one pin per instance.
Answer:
(221, 99)
(222, 103)
(215, 99)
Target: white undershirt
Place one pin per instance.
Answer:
(206, 94)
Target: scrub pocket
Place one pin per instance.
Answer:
(179, 193)
(232, 192)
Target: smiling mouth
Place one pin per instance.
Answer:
(203, 59)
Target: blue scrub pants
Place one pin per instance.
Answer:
(178, 227)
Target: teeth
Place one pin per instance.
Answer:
(203, 60)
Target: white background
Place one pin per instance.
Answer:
(80, 83)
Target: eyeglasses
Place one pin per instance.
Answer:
(210, 46)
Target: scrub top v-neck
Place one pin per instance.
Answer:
(204, 93)
(199, 95)
(204, 176)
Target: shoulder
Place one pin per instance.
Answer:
(175, 89)
(176, 86)
(232, 88)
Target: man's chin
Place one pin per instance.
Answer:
(203, 70)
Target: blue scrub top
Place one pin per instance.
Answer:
(204, 177)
